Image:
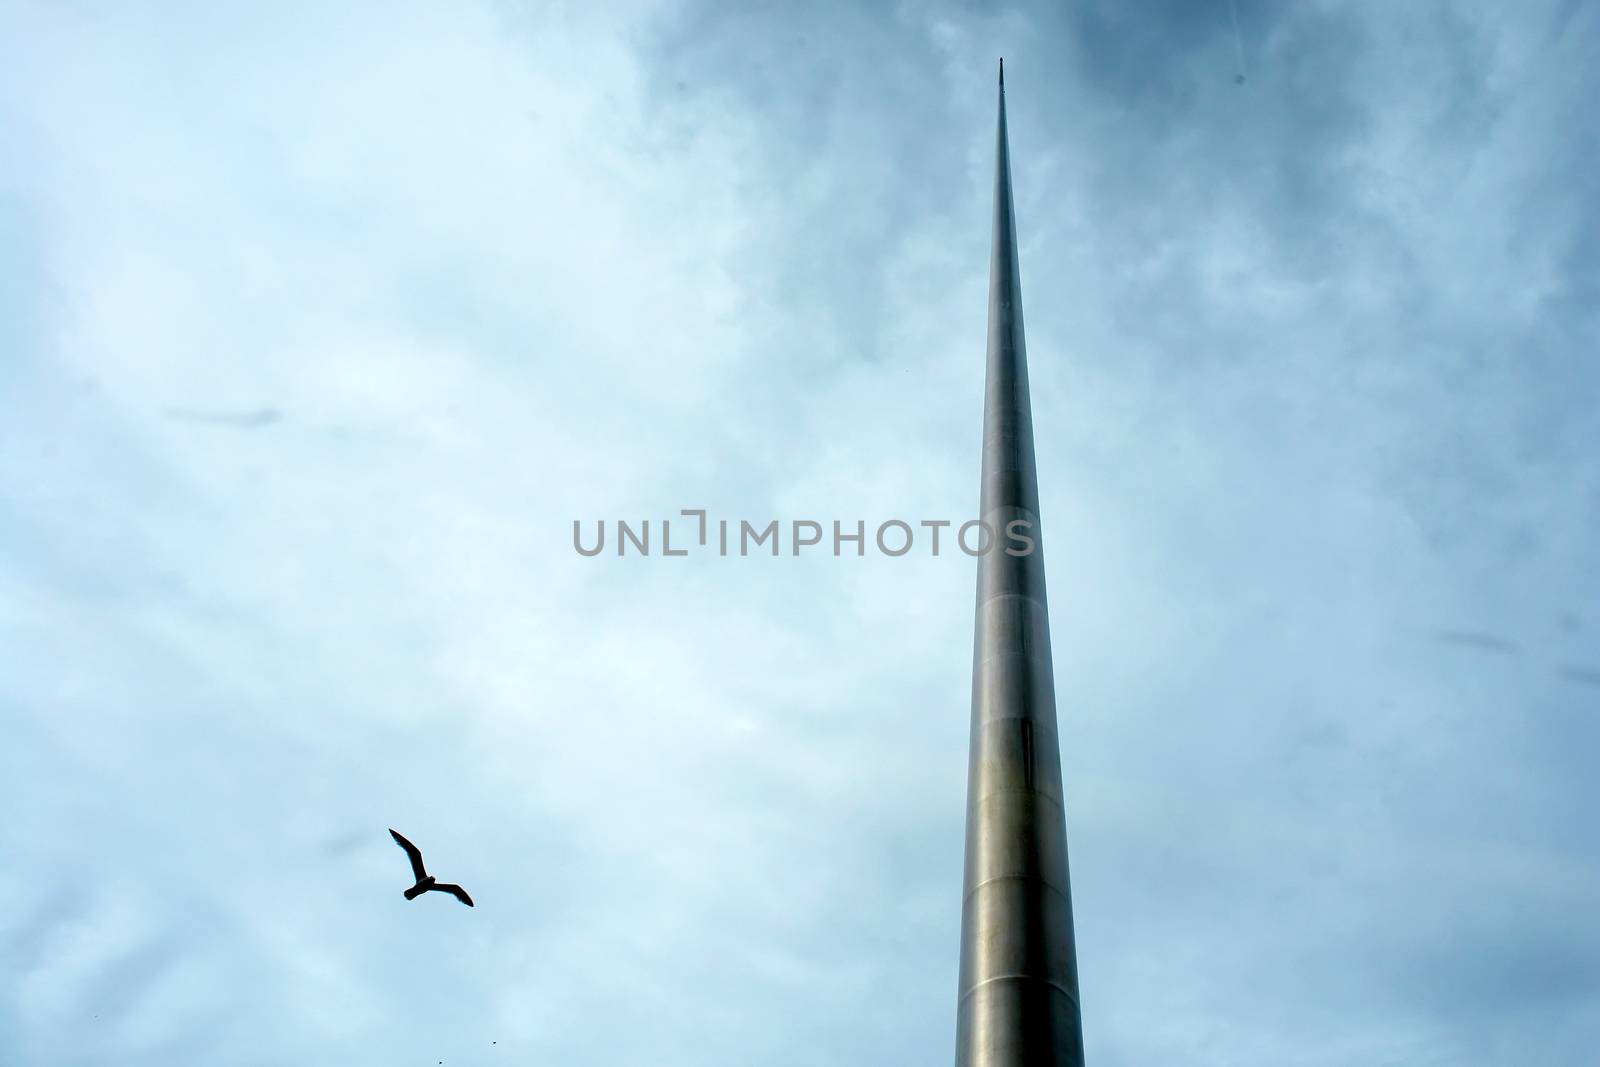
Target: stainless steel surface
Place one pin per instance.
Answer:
(1019, 974)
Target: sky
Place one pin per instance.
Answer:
(320, 326)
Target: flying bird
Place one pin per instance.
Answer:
(426, 881)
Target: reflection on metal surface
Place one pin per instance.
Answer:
(1018, 999)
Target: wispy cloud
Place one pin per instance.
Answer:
(1584, 675)
(1476, 639)
(240, 420)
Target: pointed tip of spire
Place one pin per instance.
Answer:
(1002, 72)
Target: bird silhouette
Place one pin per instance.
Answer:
(426, 881)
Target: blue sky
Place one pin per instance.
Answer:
(320, 324)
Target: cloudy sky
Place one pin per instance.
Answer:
(320, 324)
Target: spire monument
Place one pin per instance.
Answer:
(1018, 998)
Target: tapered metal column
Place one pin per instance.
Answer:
(1019, 973)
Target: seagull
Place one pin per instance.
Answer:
(426, 881)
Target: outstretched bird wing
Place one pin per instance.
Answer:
(413, 853)
(454, 890)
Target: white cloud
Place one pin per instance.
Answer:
(1307, 370)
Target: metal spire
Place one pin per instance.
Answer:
(1019, 975)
